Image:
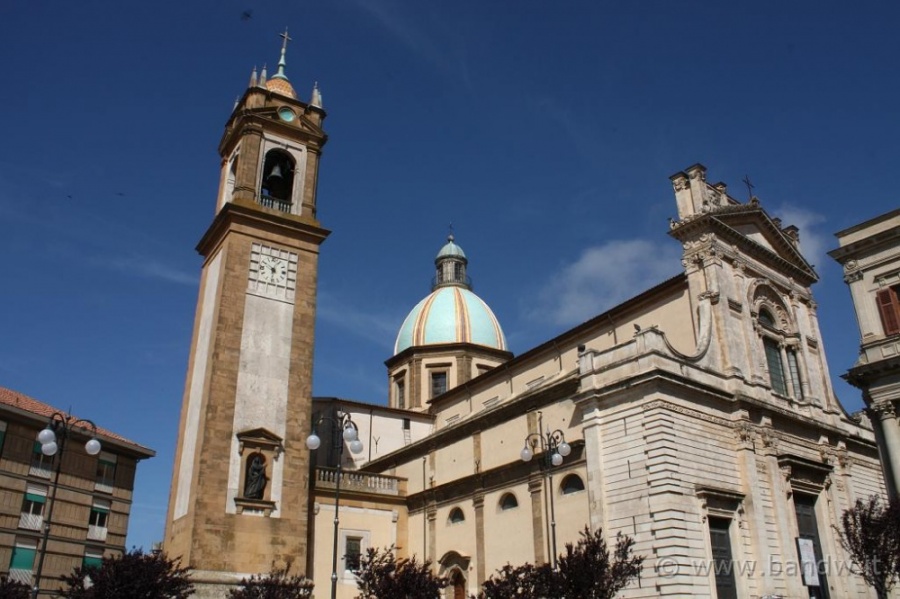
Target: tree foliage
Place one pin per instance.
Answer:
(134, 574)
(277, 584)
(10, 589)
(512, 582)
(586, 570)
(870, 533)
(382, 576)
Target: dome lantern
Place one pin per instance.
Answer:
(450, 266)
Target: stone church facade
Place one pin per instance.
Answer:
(697, 417)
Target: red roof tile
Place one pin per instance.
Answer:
(29, 404)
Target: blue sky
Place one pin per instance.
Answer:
(545, 132)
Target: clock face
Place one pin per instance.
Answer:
(273, 270)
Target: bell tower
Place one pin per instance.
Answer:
(238, 501)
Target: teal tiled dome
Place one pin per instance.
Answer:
(451, 313)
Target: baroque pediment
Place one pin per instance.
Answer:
(750, 230)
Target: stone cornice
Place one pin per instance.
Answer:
(506, 410)
(242, 212)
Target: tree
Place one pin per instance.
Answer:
(525, 581)
(134, 574)
(586, 571)
(870, 533)
(277, 584)
(10, 589)
(382, 576)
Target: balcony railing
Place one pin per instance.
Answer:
(274, 203)
(96, 533)
(31, 521)
(40, 468)
(20, 575)
(364, 482)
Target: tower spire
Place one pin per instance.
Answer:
(281, 61)
(316, 99)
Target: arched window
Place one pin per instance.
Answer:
(571, 484)
(232, 177)
(508, 502)
(780, 345)
(277, 180)
(456, 516)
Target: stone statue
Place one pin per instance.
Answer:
(255, 481)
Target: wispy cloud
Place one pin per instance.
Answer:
(432, 41)
(379, 328)
(602, 277)
(813, 243)
(148, 268)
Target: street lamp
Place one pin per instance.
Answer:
(53, 443)
(553, 448)
(344, 425)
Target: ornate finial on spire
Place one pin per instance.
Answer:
(253, 77)
(316, 99)
(262, 77)
(281, 61)
(450, 237)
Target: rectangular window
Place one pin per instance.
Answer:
(32, 517)
(794, 370)
(407, 423)
(2, 435)
(106, 472)
(352, 553)
(98, 520)
(889, 308)
(401, 393)
(776, 368)
(438, 383)
(99, 517)
(41, 465)
(22, 560)
(808, 528)
(93, 557)
(720, 541)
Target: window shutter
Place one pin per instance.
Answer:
(23, 557)
(890, 311)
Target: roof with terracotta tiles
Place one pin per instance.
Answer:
(21, 401)
(281, 86)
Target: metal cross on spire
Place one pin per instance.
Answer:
(749, 185)
(281, 61)
(286, 39)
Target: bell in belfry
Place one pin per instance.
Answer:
(277, 184)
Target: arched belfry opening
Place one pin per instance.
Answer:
(277, 179)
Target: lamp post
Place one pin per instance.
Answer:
(553, 448)
(344, 425)
(53, 443)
